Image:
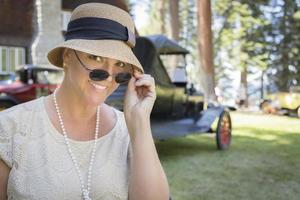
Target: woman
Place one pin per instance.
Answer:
(71, 145)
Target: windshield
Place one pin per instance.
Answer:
(6, 78)
(175, 66)
(173, 61)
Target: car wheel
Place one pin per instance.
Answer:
(265, 107)
(223, 132)
(268, 108)
(5, 104)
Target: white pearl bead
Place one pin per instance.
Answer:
(84, 191)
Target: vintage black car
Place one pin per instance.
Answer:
(174, 98)
(178, 110)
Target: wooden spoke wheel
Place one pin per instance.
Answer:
(223, 133)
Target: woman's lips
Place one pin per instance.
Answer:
(98, 87)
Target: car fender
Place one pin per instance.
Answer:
(7, 97)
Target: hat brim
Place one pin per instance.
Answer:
(115, 49)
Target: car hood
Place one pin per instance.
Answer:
(11, 87)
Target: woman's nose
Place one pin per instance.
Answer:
(110, 70)
(110, 78)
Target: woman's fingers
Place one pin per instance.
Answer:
(137, 74)
(145, 78)
(131, 84)
(145, 87)
(144, 82)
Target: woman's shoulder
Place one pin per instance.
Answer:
(114, 111)
(13, 123)
(120, 116)
(121, 123)
(29, 106)
(19, 112)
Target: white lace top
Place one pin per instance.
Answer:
(41, 167)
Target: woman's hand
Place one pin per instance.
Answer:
(139, 98)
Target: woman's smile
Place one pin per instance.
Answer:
(97, 86)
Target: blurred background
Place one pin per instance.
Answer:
(255, 43)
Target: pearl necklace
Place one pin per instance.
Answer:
(84, 190)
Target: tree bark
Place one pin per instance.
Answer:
(244, 87)
(162, 13)
(262, 95)
(205, 49)
(175, 24)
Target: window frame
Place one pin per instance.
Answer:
(19, 55)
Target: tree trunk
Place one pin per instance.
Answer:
(175, 24)
(244, 88)
(285, 74)
(262, 87)
(205, 49)
(162, 13)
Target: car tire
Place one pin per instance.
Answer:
(223, 132)
(265, 107)
(6, 104)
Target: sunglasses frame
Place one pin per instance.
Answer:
(93, 70)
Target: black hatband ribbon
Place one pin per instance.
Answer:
(92, 28)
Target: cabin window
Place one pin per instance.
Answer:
(11, 58)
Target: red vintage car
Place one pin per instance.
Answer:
(30, 83)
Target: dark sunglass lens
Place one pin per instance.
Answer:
(98, 75)
(123, 78)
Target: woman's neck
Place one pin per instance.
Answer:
(73, 105)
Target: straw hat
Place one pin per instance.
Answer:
(99, 29)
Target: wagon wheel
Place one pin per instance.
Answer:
(223, 133)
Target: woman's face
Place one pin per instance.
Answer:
(77, 77)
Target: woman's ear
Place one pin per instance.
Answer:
(66, 58)
(66, 54)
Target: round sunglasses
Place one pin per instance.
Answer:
(101, 75)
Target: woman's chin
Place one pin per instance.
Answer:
(94, 98)
(95, 101)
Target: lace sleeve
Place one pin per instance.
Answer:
(5, 140)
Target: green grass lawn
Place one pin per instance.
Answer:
(263, 161)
